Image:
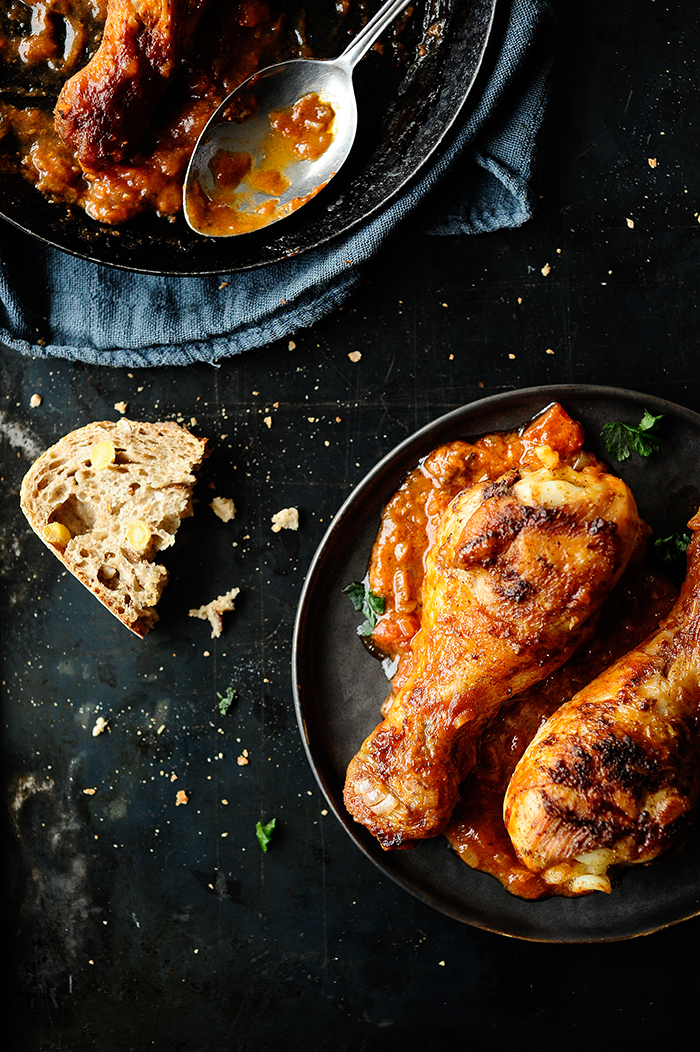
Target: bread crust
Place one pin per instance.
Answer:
(149, 481)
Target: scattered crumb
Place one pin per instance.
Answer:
(546, 269)
(512, 356)
(267, 421)
(223, 285)
(181, 797)
(355, 356)
(242, 760)
(89, 792)
(630, 223)
(223, 508)
(120, 407)
(212, 612)
(549, 351)
(291, 345)
(441, 963)
(287, 519)
(35, 401)
(520, 299)
(100, 726)
(173, 777)
(653, 162)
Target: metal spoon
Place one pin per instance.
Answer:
(243, 175)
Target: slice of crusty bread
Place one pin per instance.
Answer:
(112, 496)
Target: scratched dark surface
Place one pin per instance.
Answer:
(132, 923)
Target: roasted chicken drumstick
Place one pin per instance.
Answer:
(104, 109)
(517, 568)
(612, 777)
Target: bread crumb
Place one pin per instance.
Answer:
(549, 351)
(653, 162)
(630, 223)
(181, 797)
(291, 346)
(267, 421)
(287, 519)
(242, 760)
(100, 726)
(213, 611)
(173, 777)
(89, 792)
(35, 401)
(120, 407)
(223, 508)
(546, 269)
(355, 356)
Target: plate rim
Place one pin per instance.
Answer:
(507, 400)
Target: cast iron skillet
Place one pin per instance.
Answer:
(398, 135)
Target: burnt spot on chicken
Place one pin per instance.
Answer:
(517, 589)
(578, 773)
(502, 487)
(626, 763)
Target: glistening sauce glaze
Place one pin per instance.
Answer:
(233, 205)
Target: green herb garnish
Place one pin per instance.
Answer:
(622, 439)
(674, 546)
(371, 605)
(227, 699)
(264, 832)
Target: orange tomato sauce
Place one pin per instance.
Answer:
(233, 40)
(232, 206)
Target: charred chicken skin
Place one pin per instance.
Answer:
(612, 777)
(516, 569)
(103, 110)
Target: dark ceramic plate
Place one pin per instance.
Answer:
(339, 687)
(404, 116)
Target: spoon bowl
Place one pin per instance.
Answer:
(277, 140)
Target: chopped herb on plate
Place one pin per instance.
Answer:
(372, 606)
(621, 440)
(673, 546)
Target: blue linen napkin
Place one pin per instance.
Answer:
(104, 316)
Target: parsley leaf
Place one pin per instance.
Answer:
(264, 832)
(371, 605)
(227, 699)
(673, 546)
(621, 440)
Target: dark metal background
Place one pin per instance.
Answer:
(198, 941)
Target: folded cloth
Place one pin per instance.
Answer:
(486, 178)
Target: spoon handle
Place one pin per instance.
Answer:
(374, 28)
